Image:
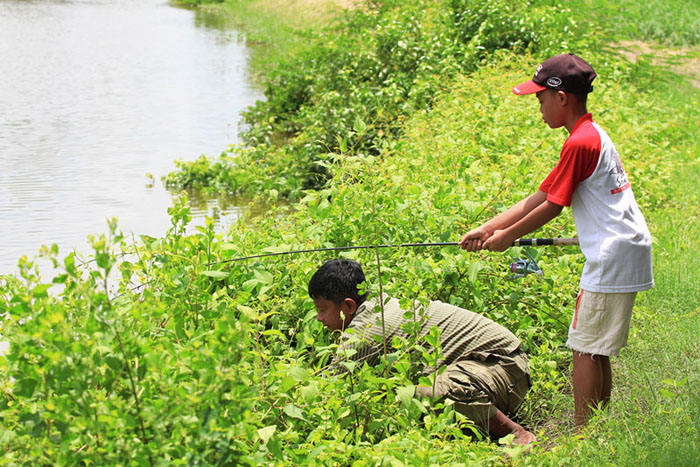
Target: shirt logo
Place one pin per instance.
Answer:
(621, 189)
(617, 173)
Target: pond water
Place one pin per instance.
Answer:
(95, 95)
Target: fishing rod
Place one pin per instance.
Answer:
(520, 267)
(526, 242)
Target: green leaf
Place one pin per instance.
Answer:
(310, 392)
(413, 190)
(40, 290)
(286, 384)
(405, 394)
(272, 332)
(474, 269)
(180, 328)
(25, 387)
(215, 274)
(113, 362)
(359, 126)
(425, 381)
(513, 452)
(299, 374)
(266, 433)
(250, 284)
(264, 277)
(247, 311)
(294, 411)
(513, 298)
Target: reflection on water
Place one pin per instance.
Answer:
(94, 96)
(220, 207)
(212, 20)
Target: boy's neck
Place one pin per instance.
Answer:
(574, 117)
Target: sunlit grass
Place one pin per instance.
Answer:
(654, 417)
(278, 29)
(672, 22)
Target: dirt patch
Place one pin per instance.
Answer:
(344, 4)
(684, 61)
(313, 5)
(307, 13)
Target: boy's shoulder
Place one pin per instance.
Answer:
(584, 136)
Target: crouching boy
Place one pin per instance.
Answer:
(487, 373)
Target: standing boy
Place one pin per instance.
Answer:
(612, 232)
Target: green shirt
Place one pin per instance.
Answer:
(464, 335)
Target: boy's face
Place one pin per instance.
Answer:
(552, 107)
(334, 316)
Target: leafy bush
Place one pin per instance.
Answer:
(377, 66)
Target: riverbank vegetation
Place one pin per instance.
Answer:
(397, 125)
(378, 66)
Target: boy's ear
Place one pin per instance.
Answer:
(349, 307)
(563, 97)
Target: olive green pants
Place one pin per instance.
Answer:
(481, 387)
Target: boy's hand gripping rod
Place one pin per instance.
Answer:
(519, 242)
(545, 242)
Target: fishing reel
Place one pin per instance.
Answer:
(523, 267)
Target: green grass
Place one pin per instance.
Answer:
(654, 417)
(671, 22)
(274, 29)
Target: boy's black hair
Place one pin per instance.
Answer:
(582, 98)
(337, 280)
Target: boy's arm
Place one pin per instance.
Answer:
(474, 239)
(501, 239)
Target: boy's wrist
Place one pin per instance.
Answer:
(489, 229)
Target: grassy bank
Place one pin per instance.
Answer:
(188, 360)
(277, 30)
(653, 419)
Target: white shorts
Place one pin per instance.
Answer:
(601, 322)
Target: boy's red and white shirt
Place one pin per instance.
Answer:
(613, 234)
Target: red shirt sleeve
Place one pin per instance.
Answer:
(578, 159)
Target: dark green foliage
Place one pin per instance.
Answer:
(378, 66)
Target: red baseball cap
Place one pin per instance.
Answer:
(566, 72)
